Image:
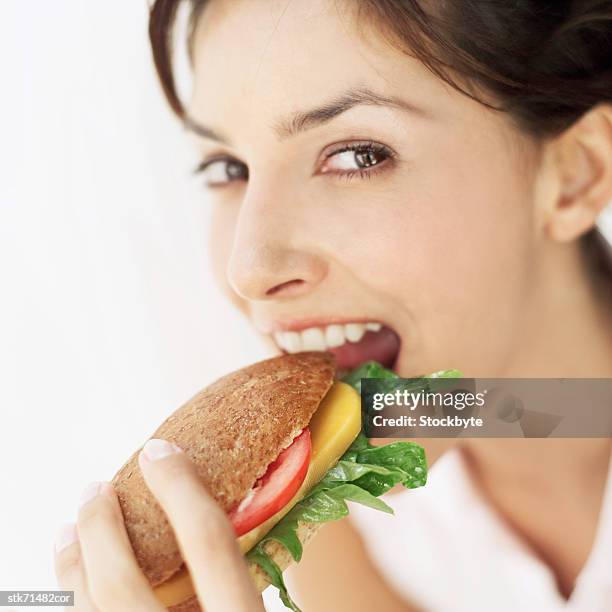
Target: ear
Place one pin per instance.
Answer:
(583, 167)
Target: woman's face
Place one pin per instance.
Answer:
(350, 185)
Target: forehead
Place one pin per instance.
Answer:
(258, 59)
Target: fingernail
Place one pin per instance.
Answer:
(156, 449)
(90, 491)
(66, 536)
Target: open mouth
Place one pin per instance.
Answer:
(351, 343)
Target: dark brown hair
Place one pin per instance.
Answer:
(545, 62)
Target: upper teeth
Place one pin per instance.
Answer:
(323, 338)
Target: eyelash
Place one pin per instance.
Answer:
(347, 175)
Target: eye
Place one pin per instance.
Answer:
(222, 171)
(355, 157)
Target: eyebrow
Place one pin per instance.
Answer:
(304, 120)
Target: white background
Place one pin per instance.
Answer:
(108, 316)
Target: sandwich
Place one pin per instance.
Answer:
(279, 446)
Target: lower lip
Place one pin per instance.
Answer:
(381, 346)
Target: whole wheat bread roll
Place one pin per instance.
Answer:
(232, 430)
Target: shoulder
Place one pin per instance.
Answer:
(337, 574)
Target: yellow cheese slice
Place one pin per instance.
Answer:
(333, 427)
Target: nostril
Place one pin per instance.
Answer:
(284, 287)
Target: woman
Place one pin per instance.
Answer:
(437, 167)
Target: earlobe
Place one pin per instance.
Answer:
(584, 165)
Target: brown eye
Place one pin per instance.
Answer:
(221, 171)
(355, 157)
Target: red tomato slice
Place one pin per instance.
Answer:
(276, 487)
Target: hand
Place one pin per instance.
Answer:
(95, 560)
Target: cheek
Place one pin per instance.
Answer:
(468, 245)
(452, 235)
(473, 234)
(220, 239)
(450, 246)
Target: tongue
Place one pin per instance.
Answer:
(382, 346)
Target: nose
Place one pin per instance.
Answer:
(273, 255)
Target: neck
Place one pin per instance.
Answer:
(557, 461)
(541, 486)
(550, 491)
(567, 329)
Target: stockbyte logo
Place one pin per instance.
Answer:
(487, 407)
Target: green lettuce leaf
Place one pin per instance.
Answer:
(361, 475)
(276, 576)
(369, 369)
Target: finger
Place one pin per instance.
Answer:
(205, 536)
(115, 581)
(69, 568)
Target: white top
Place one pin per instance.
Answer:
(447, 549)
